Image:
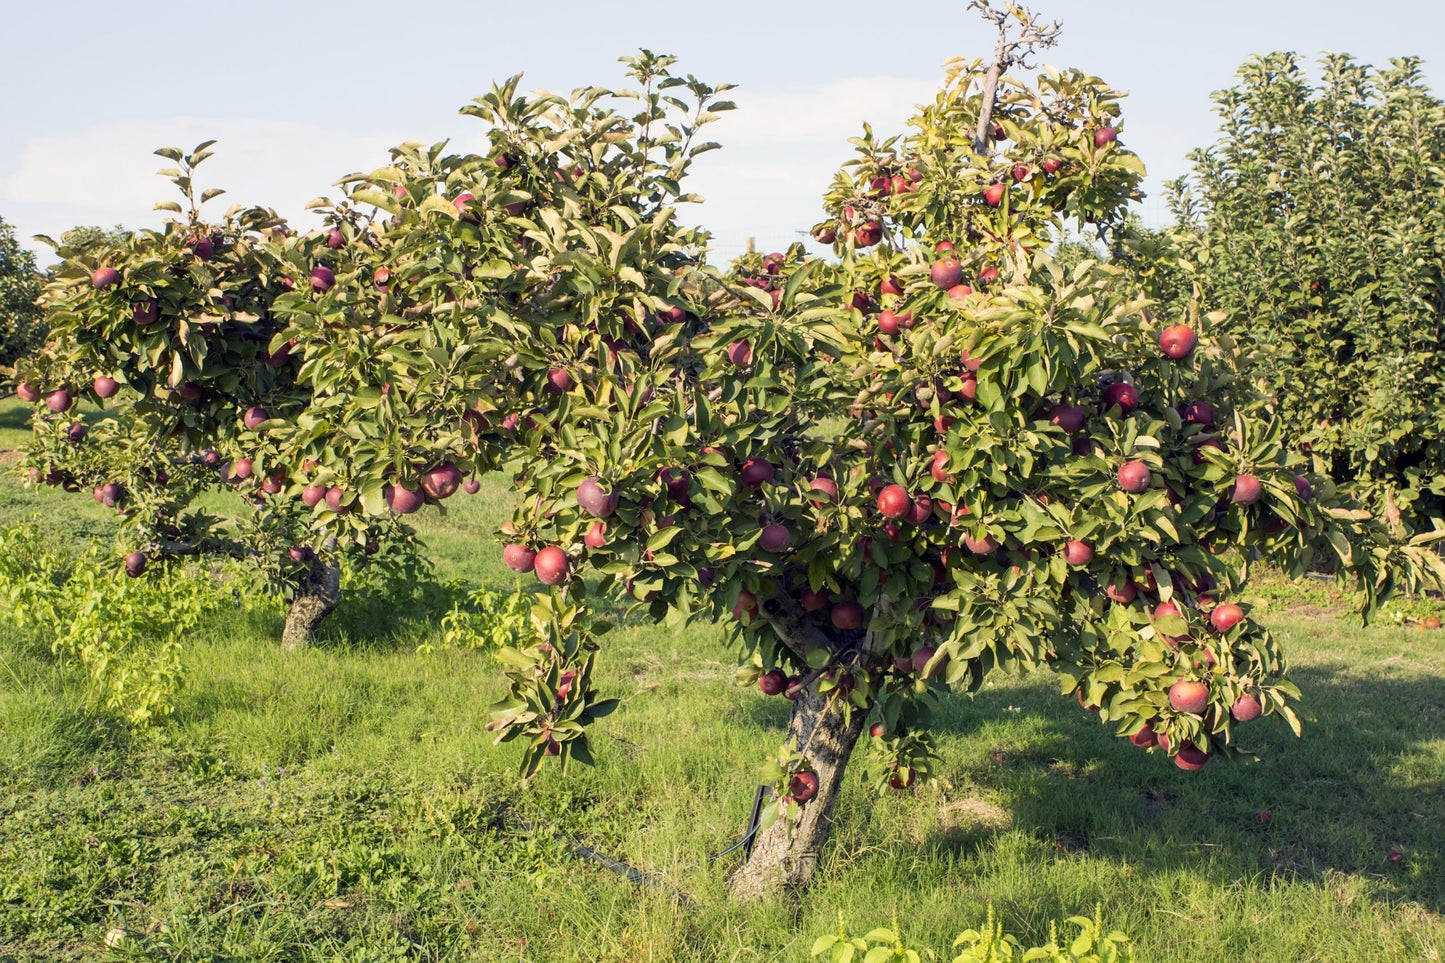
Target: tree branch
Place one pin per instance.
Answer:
(791, 624)
(1034, 34)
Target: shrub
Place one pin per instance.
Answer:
(1090, 944)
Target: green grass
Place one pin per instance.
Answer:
(345, 803)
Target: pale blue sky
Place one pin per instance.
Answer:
(300, 93)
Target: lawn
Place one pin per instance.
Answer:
(345, 803)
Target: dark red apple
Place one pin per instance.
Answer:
(301, 553)
(756, 472)
(1199, 413)
(105, 277)
(1122, 395)
(775, 538)
(1123, 594)
(1247, 490)
(27, 392)
(1134, 477)
(135, 564)
(1105, 135)
(471, 486)
(1068, 417)
(322, 278)
(1052, 165)
(403, 500)
(812, 601)
(1078, 552)
(335, 239)
(803, 786)
(336, 500)
(921, 657)
(312, 495)
(946, 272)
(847, 615)
(1178, 341)
(901, 779)
(242, 469)
(254, 418)
(559, 381)
(111, 494)
(773, 682)
(1303, 488)
(76, 432)
(868, 235)
(740, 353)
(442, 481)
(595, 500)
(203, 248)
(58, 400)
(878, 730)
(146, 312)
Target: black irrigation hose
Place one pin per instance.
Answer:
(651, 880)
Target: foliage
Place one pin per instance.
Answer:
(126, 635)
(488, 619)
(1091, 944)
(21, 328)
(1315, 225)
(94, 236)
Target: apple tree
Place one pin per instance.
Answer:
(938, 457)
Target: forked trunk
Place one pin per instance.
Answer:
(314, 600)
(784, 857)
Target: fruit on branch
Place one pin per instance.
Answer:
(993, 194)
(1178, 341)
(403, 500)
(1246, 491)
(442, 481)
(1068, 417)
(301, 553)
(595, 500)
(135, 564)
(312, 495)
(921, 657)
(335, 239)
(111, 494)
(1199, 413)
(901, 779)
(58, 400)
(1303, 488)
(27, 392)
(1123, 594)
(847, 615)
(322, 278)
(1134, 477)
(1187, 695)
(76, 432)
(552, 566)
(1144, 738)
(878, 730)
(740, 353)
(146, 313)
(336, 500)
(203, 248)
(242, 469)
(596, 536)
(559, 381)
(773, 682)
(519, 558)
(775, 538)
(803, 786)
(1226, 616)
(868, 235)
(756, 472)
(1078, 552)
(678, 484)
(894, 502)
(1246, 708)
(254, 418)
(1123, 395)
(1191, 758)
(939, 468)
(1105, 135)
(946, 272)
(105, 278)
(1052, 165)
(471, 486)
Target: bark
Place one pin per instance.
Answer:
(784, 857)
(314, 600)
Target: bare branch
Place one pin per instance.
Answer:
(1033, 35)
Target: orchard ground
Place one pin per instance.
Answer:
(343, 802)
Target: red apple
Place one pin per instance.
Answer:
(740, 353)
(559, 382)
(775, 538)
(993, 194)
(1226, 616)
(1105, 135)
(847, 615)
(1052, 165)
(803, 787)
(1178, 341)
(1246, 708)
(1144, 738)
(1068, 417)
(825, 487)
(1123, 594)
(403, 500)
(551, 566)
(1123, 395)
(145, 313)
(336, 500)
(595, 500)
(311, 495)
(921, 657)
(335, 239)
(893, 502)
(442, 481)
(756, 472)
(135, 564)
(596, 536)
(812, 601)
(878, 730)
(27, 392)
(1078, 552)
(472, 486)
(939, 468)
(1186, 695)
(203, 248)
(1199, 413)
(946, 272)
(901, 779)
(254, 418)
(105, 277)
(58, 400)
(868, 235)
(1246, 490)
(519, 558)
(1191, 758)
(1134, 477)
(773, 682)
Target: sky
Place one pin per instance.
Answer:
(301, 93)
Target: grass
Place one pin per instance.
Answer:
(345, 803)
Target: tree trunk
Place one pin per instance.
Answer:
(314, 600)
(784, 857)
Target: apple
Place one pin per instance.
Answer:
(678, 483)
(559, 382)
(472, 486)
(959, 292)
(773, 682)
(812, 601)
(825, 487)
(311, 495)
(1052, 165)
(27, 392)
(1246, 490)
(890, 285)
(1068, 417)
(322, 279)
(1144, 738)
(551, 566)
(946, 273)
(740, 353)
(921, 511)
(1078, 552)
(1134, 477)
(203, 248)
(1199, 413)
(878, 730)
(135, 564)
(756, 472)
(868, 235)
(76, 432)
(336, 500)
(1262, 816)
(105, 277)
(442, 481)
(1123, 395)
(1395, 856)
(920, 659)
(893, 502)
(987, 276)
(335, 240)
(381, 277)
(596, 536)
(1303, 488)
(188, 391)
(1178, 341)
(281, 355)
(111, 494)
(993, 194)
(519, 558)
(939, 468)
(301, 553)
(1186, 695)
(803, 786)
(254, 418)
(1226, 616)
(847, 615)
(1123, 594)
(999, 133)
(403, 500)
(1022, 172)
(211, 458)
(145, 313)
(58, 400)
(242, 469)
(775, 538)
(1246, 708)
(1199, 456)
(825, 235)
(890, 323)
(901, 779)
(594, 500)
(981, 546)
(274, 482)
(1191, 758)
